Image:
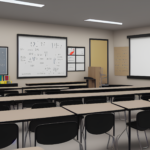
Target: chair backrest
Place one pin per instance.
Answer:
(90, 100)
(123, 98)
(4, 107)
(71, 102)
(43, 105)
(20, 94)
(143, 119)
(99, 123)
(68, 99)
(8, 134)
(145, 96)
(56, 133)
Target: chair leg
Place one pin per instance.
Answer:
(108, 142)
(80, 144)
(140, 141)
(85, 140)
(30, 137)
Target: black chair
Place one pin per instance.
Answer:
(57, 133)
(53, 92)
(4, 107)
(123, 98)
(145, 96)
(90, 100)
(71, 102)
(8, 134)
(30, 103)
(142, 123)
(68, 99)
(99, 124)
(34, 123)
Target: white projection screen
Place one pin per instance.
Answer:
(41, 56)
(139, 51)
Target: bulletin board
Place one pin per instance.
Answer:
(121, 61)
(3, 60)
(76, 59)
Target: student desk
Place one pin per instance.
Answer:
(80, 85)
(55, 83)
(106, 89)
(42, 90)
(132, 105)
(77, 95)
(31, 148)
(92, 108)
(31, 114)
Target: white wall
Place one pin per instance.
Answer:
(120, 40)
(77, 36)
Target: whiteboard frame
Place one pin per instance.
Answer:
(28, 35)
(7, 58)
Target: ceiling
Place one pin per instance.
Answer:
(132, 13)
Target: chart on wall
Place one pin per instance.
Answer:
(121, 61)
(3, 60)
(76, 59)
(41, 56)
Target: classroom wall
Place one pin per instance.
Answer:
(77, 36)
(120, 40)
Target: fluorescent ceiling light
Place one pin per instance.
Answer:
(22, 3)
(103, 21)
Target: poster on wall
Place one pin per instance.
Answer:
(3, 60)
(76, 59)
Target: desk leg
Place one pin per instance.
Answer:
(80, 133)
(23, 134)
(129, 144)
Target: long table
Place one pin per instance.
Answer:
(31, 114)
(105, 89)
(72, 95)
(129, 106)
(91, 109)
(56, 83)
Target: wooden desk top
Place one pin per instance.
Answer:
(92, 108)
(30, 114)
(71, 95)
(30, 148)
(135, 104)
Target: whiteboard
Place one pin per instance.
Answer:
(41, 56)
(3, 60)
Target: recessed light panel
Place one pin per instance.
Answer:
(103, 21)
(22, 3)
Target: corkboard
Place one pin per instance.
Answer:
(121, 58)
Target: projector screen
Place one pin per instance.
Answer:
(41, 56)
(139, 52)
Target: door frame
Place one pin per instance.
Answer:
(107, 55)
